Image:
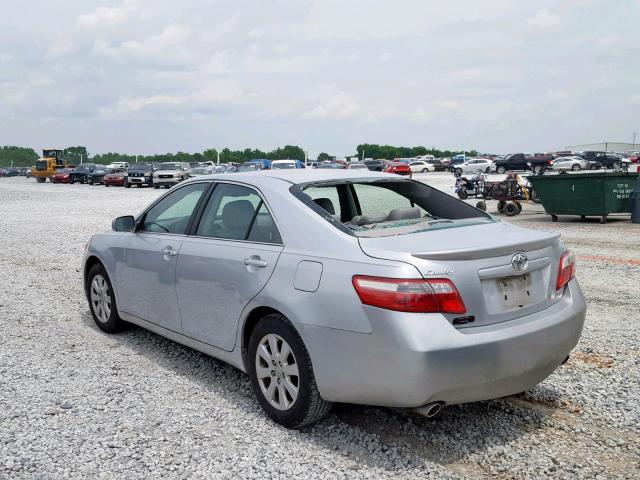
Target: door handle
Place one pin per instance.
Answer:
(254, 262)
(169, 251)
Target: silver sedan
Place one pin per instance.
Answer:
(341, 286)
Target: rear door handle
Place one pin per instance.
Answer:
(169, 251)
(255, 262)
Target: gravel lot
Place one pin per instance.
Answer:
(78, 403)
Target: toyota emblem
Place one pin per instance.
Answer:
(519, 262)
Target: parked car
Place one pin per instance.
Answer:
(475, 165)
(375, 165)
(97, 176)
(198, 172)
(539, 162)
(571, 163)
(63, 175)
(170, 173)
(114, 179)
(330, 165)
(421, 166)
(261, 164)
(607, 160)
(399, 168)
(13, 172)
(515, 161)
(248, 167)
(81, 173)
(440, 316)
(139, 174)
(357, 166)
(286, 164)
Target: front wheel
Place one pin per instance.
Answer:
(575, 167)
(282, 374)
(462, 194)
(41, 179)
(425, 170)
(501, 170)
(102, 301)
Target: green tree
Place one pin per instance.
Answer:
(75, 154)
(324, 157)
(18, 156)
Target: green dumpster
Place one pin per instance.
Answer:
(585, 194)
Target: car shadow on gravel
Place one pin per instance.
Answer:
(447, 439)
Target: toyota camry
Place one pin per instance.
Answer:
(341, 286)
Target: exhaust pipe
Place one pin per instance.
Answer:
(430, 409)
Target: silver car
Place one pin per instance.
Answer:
(570, 163)
(170, 173)
(341, 286)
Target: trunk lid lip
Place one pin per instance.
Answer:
(474, 253)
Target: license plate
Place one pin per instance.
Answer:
(516, 292)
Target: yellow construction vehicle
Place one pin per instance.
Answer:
(52, 160)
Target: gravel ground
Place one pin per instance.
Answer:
(77, 403)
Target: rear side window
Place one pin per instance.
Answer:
(235, 212)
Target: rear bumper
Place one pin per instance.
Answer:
(412, 359)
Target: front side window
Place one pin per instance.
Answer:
(173, 212)
(235, 212)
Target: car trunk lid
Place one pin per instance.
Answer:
(479, 259)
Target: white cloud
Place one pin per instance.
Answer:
(168, 47)
(543, 20)
(107, 16)
(334, 103)
(384, 57)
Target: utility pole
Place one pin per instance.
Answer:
(633, 147)
(81, 155)
(306, 158)
(218, 153)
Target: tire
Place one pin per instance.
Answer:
(91, 183)
(425, 170)
(72, 181)
(501, 170)
(510, 209)
(554, 218)
(308, 406)
(519, 205)
(482, 205)
(501, 205)
(127, 185)
(462, 194)
(156, 186)
(41, 179)
(488, 170)
(575, 167)
(459, 171)
(102, 302)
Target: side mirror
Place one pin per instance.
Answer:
(123, 224)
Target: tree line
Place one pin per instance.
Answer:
(25, 157)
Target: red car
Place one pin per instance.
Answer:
(61, 177)
(399, 168)
(115, 179)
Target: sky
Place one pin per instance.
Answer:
(154, 76)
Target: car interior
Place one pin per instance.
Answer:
(365, 205)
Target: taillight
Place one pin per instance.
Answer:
(434, 295)
(566, 269)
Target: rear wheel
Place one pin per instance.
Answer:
(462, 194)
(425, 170)
(575, 167)
(501, 170)
(510, 209)
(282, 375)
(41, 179)
(501, 205)
(102, 302)
(482, 205)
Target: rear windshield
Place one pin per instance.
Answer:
(386, 207)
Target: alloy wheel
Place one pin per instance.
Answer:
(101, 298)
(277, 372)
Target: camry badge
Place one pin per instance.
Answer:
(519, 262)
